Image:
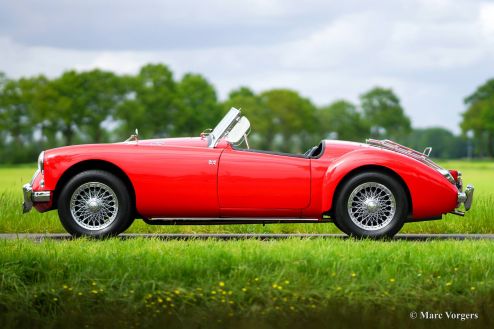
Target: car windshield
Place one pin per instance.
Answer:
(223, 127)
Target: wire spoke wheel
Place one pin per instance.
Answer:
(371, 206)
(94, 206)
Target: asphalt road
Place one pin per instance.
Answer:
(410, 237)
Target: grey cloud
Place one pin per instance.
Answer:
(432, 52)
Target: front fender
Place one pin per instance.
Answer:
(431, 194)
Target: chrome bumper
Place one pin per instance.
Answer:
(30, 197)
(465, 198)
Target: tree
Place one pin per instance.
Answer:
(14, 113)
(16, 120)
(198, 104)
(64, 95)
(341, 117)
(130, 113)
(290, 123)
(479, 117)
(103, 93)
(42, 116)
(383, 111)
(156, 96)
(245, 99)
(444, 143)
(3, 80)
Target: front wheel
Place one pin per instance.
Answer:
(371, 204)
(95, 203)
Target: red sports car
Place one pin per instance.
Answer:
(367, 190)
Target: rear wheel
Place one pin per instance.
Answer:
(371, 204)
(95, 203)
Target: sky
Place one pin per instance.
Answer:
(432, 53)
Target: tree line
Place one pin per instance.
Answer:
(98, 106)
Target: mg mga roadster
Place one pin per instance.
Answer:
(366, 190)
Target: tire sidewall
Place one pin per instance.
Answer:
(120, 222)
(401, 211)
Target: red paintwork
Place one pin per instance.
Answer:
(454, 173)
(182, 177)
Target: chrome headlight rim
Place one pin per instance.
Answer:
(447, 175)
(41, 162)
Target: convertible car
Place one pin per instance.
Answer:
(367, 190)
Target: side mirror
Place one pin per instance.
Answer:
(238, 131)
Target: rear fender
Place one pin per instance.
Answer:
(430, 194)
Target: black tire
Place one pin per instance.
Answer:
(380, 213)
(109, 206)
(341, 228)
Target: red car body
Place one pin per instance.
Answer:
(184, 178)
(368, 190)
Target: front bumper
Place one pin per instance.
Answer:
(31, 197)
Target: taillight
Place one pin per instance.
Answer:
(454, 173)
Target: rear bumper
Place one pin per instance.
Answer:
(31, 197)
(465, 198)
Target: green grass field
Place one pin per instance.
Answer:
(478, 220)
(293, 283)
(286, 284)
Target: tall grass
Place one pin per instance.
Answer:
(290, 283)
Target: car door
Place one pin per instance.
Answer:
(176, 181)
(262, 184)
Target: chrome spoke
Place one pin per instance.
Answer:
(94, 206)
(371, 206)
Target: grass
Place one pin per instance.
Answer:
(478, 219)
(291, 283)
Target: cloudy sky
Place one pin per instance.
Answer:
(433, 53)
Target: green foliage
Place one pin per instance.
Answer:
(444, 144)
(281, 119)
(290, 121)
(198, 104)
(343, 118)
(97, 106)
(383, 110)
(100, 99)
(479, 118)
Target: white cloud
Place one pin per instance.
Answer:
(432, 52)
(487, 19)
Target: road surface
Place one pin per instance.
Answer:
(262, 236)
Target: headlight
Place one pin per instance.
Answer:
(41, 160)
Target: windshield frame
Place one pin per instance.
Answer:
(223, 127)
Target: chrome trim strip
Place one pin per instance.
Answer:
(36, 173)
(41, 196)
(41, 162)
(422, 157)
(254, 219)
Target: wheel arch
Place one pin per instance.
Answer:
(94, 165)
(367, 168)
